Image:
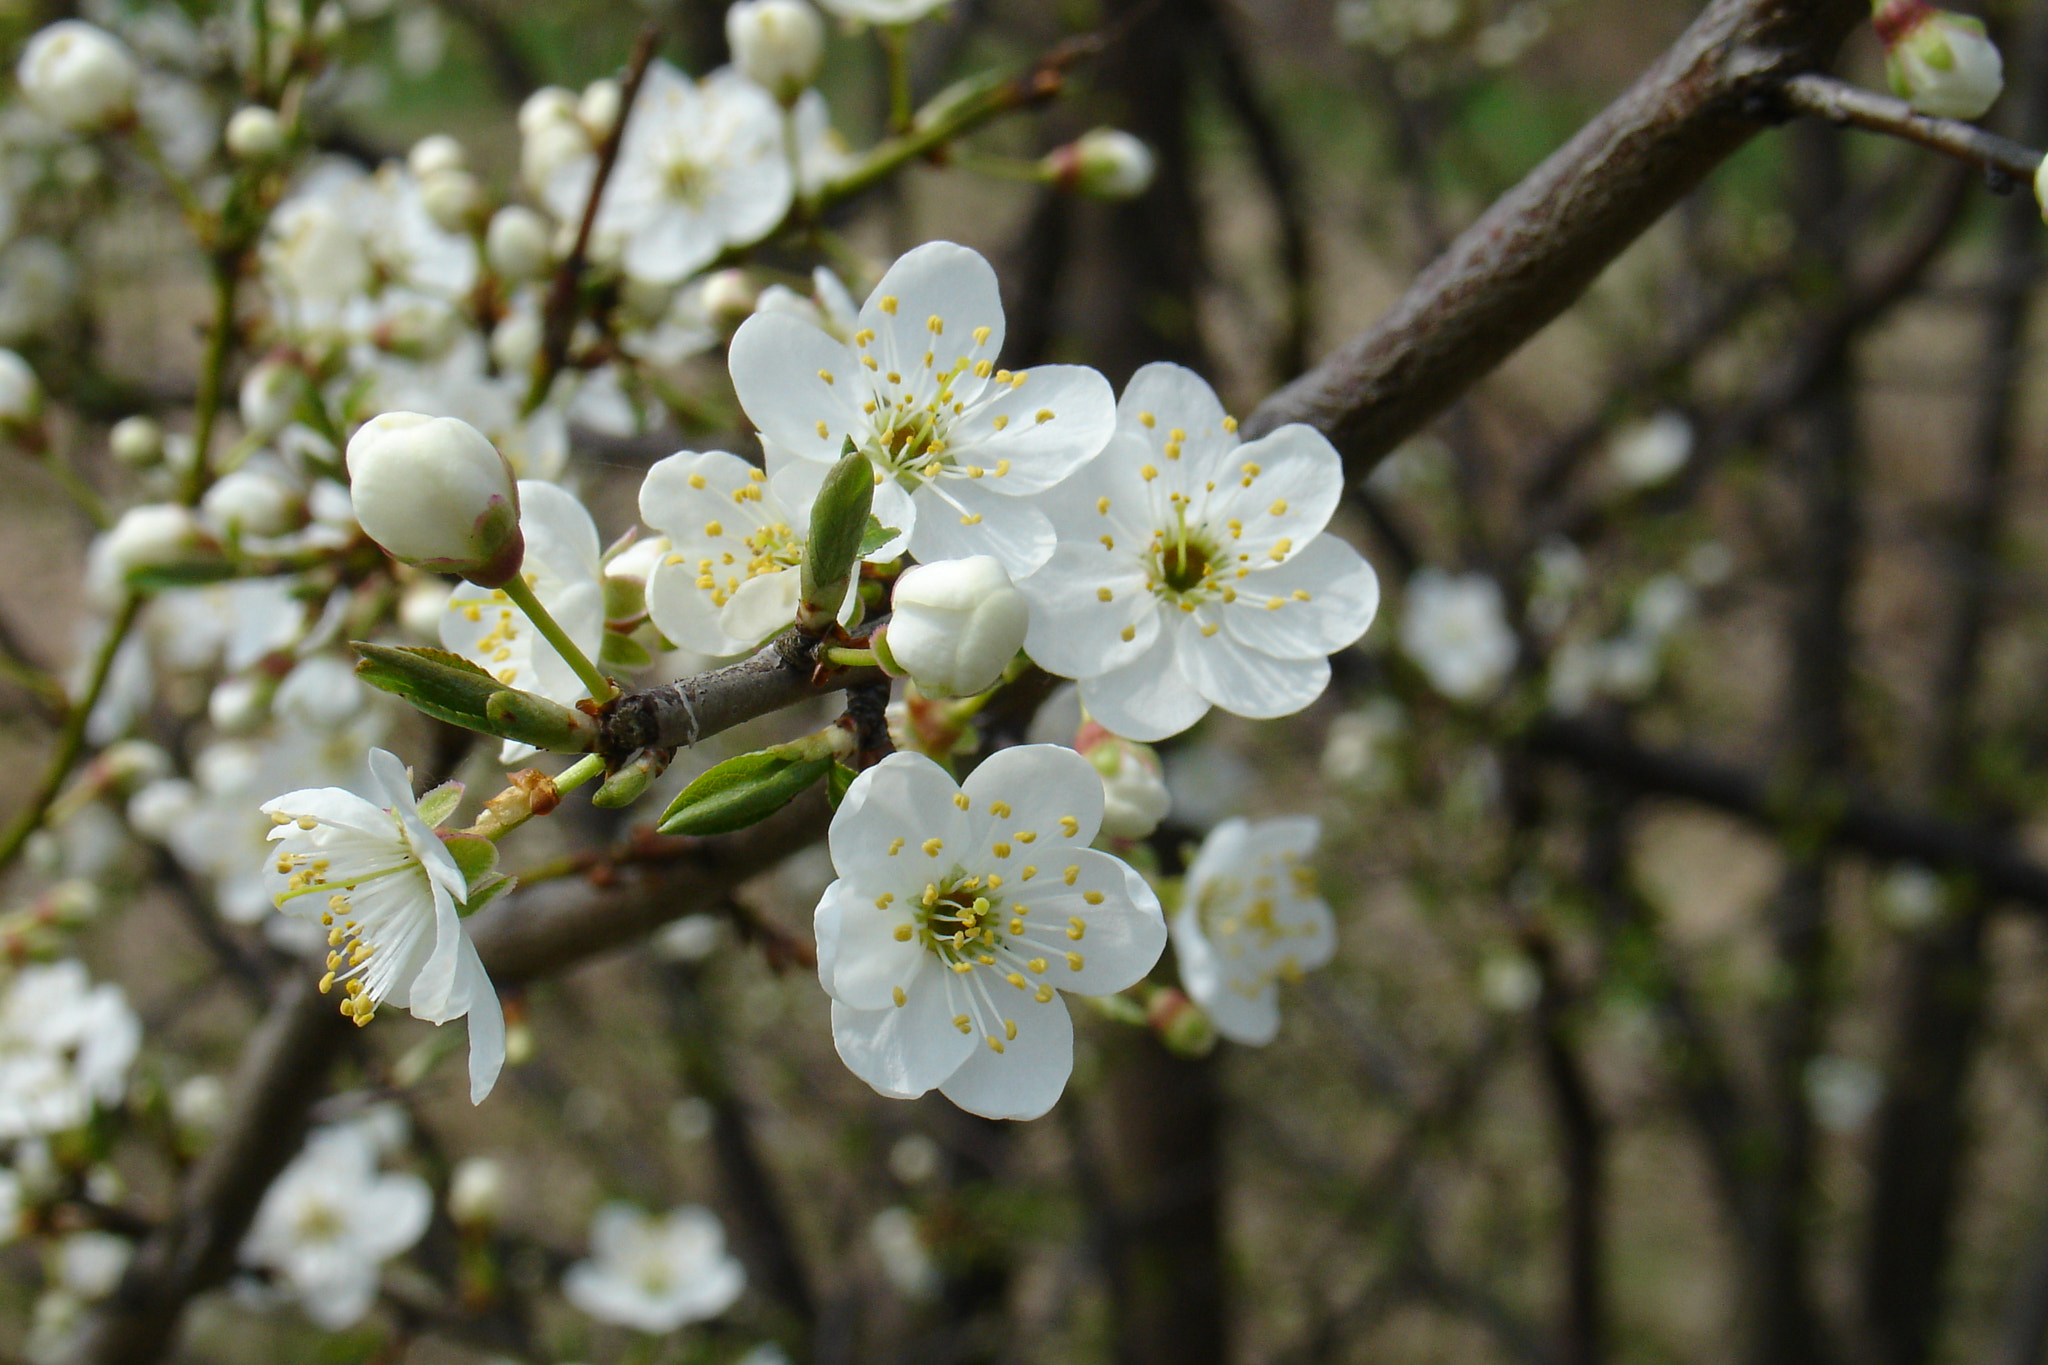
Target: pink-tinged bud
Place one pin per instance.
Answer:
(1180, 1023)
(1134, 795)
(433, 491)
(1941, 63)
(1104, 163)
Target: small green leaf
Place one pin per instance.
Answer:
(876, 536)
(440, 803)
(839, 520)
(537, 721)
(475, 855)
(837, 781)
(445, 686)
(479, 896)
(740, 792)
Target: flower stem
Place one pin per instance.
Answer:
(71, 741)
(850, 658)
(579, 772)
(599, 685)
(896, 44)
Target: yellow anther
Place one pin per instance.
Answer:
(1017, 979)
(960, 800)
(896, 994)
(1129, 633)
(1250, 470)
(1016, 925)
(1028, 873)
(826, 375)
(1075, 962)
(1025, 836)
(1043, 994)
(1068, 876)
(995, 879)
(971, 519)
(1279, 507)
(278, 817)
(982, 368)
(999, 421)
(962, 967)
(1104, 595)
(1209, 630)
(903, 932)
(981, 335)
(824, 432)
(932, 846)
(1069, 826)
(1300, 595)
(889, 304)
(1275, 603)
(1010, 1029)
(1000, 809)
(327, 983)
(1042, 416)
(885, 900)
(895, 846)
(472, 612)
(995, 1043)
(1076, 930)
(1147, 420)
(1282, 548)
(1002, 468)
(1230, 424)
(697, 480)
(1148, 472)
(1000, 849)
(931, 894)
(714, 528)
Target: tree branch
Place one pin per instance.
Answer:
(1540, 245)
(2006, 162)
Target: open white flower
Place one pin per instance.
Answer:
(563, 568)
(1250, 918)
(387, 889)
(655, 1274)
(959, 910)
(329, 1222)
(702, 167)
(1193, 569)
(1455, 628)
(962, 446)
(65, 1046)
(736, 536)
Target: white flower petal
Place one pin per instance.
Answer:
(1055, 421)
(1046, 791)
(1122, 935)
(1026, 1078)
(1288, 501)
(937, 280)
(1245, 681)
(486, 1022)
(895, 825)
(904, 1052)
(1075, 633)
(1342, 595)
(1148, 698)
(961, 518)
(872, 962)
(779, 364)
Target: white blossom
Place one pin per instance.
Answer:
(1454, 628)
(254, 133)
(136, 441)
(736, 541)
(476, 1191)
(1250, 918)
(329, 1222)
(963, 446)
(702, 167)
(21, 393)
(960, 913)
(1651, 451)
(517, 244)
(653, 1274)
(1194, 569)
(776, 44)
(955, 625)
(65, 1046)
(387, 890)
(563, 570)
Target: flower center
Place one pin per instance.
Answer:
(688, 181)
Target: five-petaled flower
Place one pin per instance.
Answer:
(960, 447)
(387, 890)
(655, 1274)
(959, 910)
(1250, 918)
(1194, 569)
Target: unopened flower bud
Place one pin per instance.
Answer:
(547, 150)
(434, 154)
(252, 502)
(599, 108)
(149, 536)
(727, 297)
(21, 394)
(476, 1192)
(625, 581)
(1105, 163)
(453, 199)
(129, 763)
(515, 344)
(517, 244)
(136, 442)
(1134, 796)
(549, 105)
(433, 491)
(255, 133)
(237, 706)
(956, 626)
(1941, 63)
(79, 76)
(200, 1104)
(1180, 1023)
(777, 44)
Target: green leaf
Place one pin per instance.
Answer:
(440, 803)
(740, 792)
(480, 896)
(837, 781)
(876, 536)
(475, 855)
(537, 721)
(191, 574)
(445, 686)
(839, 520)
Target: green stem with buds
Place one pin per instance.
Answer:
(579, 772)
(599, 686)
(849, 658)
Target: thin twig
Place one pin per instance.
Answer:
(2006, 162)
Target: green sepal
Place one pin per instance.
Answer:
(876, 536)
(537, 721)
(475, 855)
(440, 803)
(623, 651)
(839, 522)
(192, 573)
(740, 792)
(837, 781)
(480, 896)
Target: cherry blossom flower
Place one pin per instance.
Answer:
(959, 910)
(387, 890)
(1194, 569)
(702, 167)
(65, 1046)
(329, 1222)
(961, 447)
(1250, 918)
(655, 1274)
(736, 538)
(1455, 629)
(563, 568)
